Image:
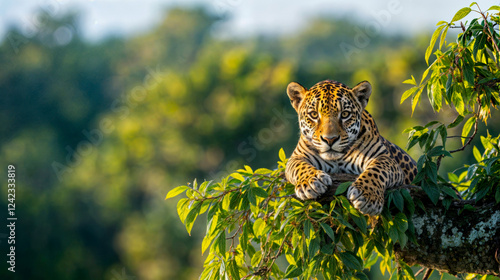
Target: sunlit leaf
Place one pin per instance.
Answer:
(176, 191)
(467, 128)
(461, 14)
(408, 93)
(238, 176)
(494, 7)
(282, 155)
(434, 37)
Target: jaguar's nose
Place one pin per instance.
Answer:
(329, 140)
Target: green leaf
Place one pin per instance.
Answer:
(467, 127)
(252, 198)
(262, 171)
(244, 237)
(494, 7)
(207, 240)
(409, 200)
(477, 154)
(233, 269)
(398, 200)
(408, 93)
(394, 233)
(497, 195)
(362, 276)
(327, 249)
(182, 208)
(256, 258)
(424, 75)
(431, 124)
(260, 192)
(444, 135)
(449, 88)
(437, 151)
(449, 191)
(292, 271)
(191, 216)
(244, 203)
(410, 81)
(176, 191)
(443, 36)
(469, 207)
(416, 99)
(432, 192)
(461, 14)
(403, 239)
(290, 259)
(220, 243)
(456, 122)
(342, 188)
(308, 227)
(468, 71)
(360, 221)
(479, 43)
(431, 171)
(235, 200)
(282, 155)
(258, 227)
(380, 247)
(328, 230)
(351, 261)
(238, 176)
(313, 247)
(458, 102)
(401, 222)
(434, 37)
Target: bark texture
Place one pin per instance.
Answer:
(458, 240)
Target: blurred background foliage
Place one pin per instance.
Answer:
(100, 132)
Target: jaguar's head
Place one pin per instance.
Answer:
(330, 114)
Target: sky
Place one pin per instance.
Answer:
(247, 17)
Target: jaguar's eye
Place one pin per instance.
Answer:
(345, 114)
(313, 114)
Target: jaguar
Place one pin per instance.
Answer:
(338, 135)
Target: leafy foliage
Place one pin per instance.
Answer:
(466, 76)
(255, 226)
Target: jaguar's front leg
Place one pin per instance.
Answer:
(367, 192)
(310, 183)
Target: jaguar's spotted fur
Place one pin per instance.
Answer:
(339, 135)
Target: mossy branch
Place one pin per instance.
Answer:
(465, 238)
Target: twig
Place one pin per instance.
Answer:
(420, 271)
(438, 163)
(470, 139)
(427, 274)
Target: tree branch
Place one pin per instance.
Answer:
(438, 163)
(456, 240)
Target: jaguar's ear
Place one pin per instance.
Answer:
(296, 93)
(363, 91)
